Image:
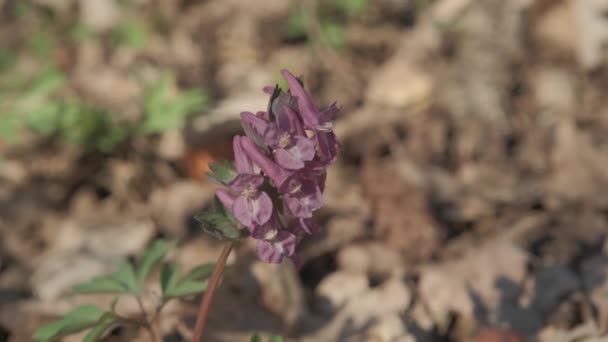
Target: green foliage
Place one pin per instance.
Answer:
(256, 338)
(333, 33)
(38, 105)
(352, 8)
(193, 282)
(332, 16)
(129, 279)
(41, 100)
(219, 226)
(162, 111)
(152, 257)
(131, 33)
(79, 319)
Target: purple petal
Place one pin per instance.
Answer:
(295, 123)
(268, 89)
(328, 146)
(293, 158)
(255, 121)
(271, 135)
(282, 101)
(283, 245)
(277, 174)
(260, 208)
(288, 160)
(243, 164)
(304, 225)
(225, 197)
(244, 180)
(241, 211)
(263, 115)
(253, 211)
(326, 117)
(261, 231)
(306, 106)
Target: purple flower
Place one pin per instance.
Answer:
(313, 118)
(320, 122)
(276, 246)
(251, 206)
(248, 204)
(286, 137)
(302, 197)
(277, 174)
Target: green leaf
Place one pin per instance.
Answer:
(168, 277)
(201, 272)
(9, 127)
(101, 285)
(219, 226)
(276, 339)
(104, 323)
(296, 24)
(256, 338)
(126, 276)
(81, 318)
(152, 256)
(222, 172)
(333, 33)
(49, 331)
(50, 81)
(132, 34)
(353, 8)
(186, 288)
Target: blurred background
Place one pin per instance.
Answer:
(469, 202)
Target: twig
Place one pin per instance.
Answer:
(210, 291)
(150, 326)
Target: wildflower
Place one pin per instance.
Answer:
(281, 167)
(248, 204)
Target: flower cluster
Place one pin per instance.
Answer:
(281, 167)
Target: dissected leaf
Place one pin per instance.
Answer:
(126, 276)
(104, 323)
(186, 288)
(201, 272)
(219, 226)
(81, 318)
(152, 256)
(168, 278)
(100, 285)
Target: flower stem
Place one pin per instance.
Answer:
(210, 291)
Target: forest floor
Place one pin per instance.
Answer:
(469, 201)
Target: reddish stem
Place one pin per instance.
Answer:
(210, 291)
